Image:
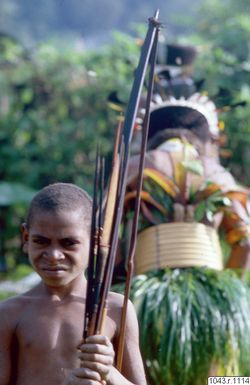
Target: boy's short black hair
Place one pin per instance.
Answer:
(61, 196)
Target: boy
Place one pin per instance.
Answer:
(41, 330)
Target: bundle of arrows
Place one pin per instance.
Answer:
(108, 200)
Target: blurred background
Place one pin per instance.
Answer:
(59, 62)
(89, 23)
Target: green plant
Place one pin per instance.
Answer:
(53, 111)
(222, 35)
(190, 320)
(21, 271)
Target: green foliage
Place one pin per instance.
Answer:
(5, 295)
(190, 320)
(20, 272)
(207, 208)
(66, 21)
(11, 193)
(53, 112)
(223, 34)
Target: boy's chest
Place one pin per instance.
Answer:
(51, 328)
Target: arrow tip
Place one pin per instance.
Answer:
(156, 14)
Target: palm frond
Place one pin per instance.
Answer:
(192, 319)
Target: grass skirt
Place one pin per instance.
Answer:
(193, 322)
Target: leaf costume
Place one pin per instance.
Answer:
(194, 316)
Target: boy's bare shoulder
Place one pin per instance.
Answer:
(115, 306)
(116, 302)
(115, 299)
(11, 309)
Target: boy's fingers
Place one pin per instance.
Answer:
(96, 358)
(95, 339)
(97, 367)
(96, 353)
(98, 349)
(98, 338)
(87, 373)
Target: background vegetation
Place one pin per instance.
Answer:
(54, 109)
(54, 102)
(79, 21)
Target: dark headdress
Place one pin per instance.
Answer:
(197, 114)
(177, 103)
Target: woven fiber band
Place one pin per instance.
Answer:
(177, 244)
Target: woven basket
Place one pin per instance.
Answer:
(177, 244)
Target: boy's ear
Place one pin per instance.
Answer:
(25, 237)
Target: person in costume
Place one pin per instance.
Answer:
(194, 314)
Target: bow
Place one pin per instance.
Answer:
(107, 208)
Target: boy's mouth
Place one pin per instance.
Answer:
(54, 268)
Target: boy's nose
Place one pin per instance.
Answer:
(53, 255)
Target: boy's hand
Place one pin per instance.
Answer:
(83, 376)
(97, 357)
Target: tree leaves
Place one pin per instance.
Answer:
(53, 110)
(13, 193)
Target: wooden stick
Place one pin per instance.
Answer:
(92, 251)
(137, 207)
(96, 283)
(103, 246)
(107, 226)
(127, 134)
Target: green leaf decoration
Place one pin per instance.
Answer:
(194, 166)
(190, 320)
(13, 193)
(163, 181)
(200, 211)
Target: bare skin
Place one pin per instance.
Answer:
(41, 331)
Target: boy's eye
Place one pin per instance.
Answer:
(67, 242)
(40, 241)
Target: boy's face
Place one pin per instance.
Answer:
(57, 245)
